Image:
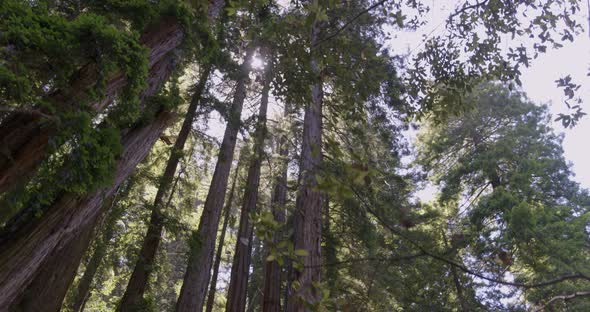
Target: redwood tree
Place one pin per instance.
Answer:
(137, 284)
(308, 210)
(238, 285)
(196, 278)
(271, 293)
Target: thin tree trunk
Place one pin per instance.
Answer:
(254, 288)
(308, 206)
(83, 290)
(138, 282)
(271, 301)
(54, 244)
(24, 137)
(196, 279)
(330, 248)
(217, 263)
(238, 286)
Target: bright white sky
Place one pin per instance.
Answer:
(538, 80)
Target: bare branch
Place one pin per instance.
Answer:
(466, 8)
(564, 298)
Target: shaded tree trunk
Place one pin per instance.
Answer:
(196, 279)
(238, 286)
(330, 248)
(24, 137)
(161, 71)
(308, 206)
(50, 248)
(271, 300)
(83, 289)
(217, 263)
(138, 282)
(255, 286)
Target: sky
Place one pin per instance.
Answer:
(538, 81)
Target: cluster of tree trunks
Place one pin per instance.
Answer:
(218, 254)
(47, 251)
(137, 284)
(240, 270)
(196, 279)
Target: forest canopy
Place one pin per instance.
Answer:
(270, 155)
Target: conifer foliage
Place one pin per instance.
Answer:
(116, 192)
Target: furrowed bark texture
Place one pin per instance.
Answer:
(217, 263)
(46, 245)
(238, 286)
(308, 206)
(196, 278)
(138, 282)
(24, 137)
(160, 72)
(271, 299)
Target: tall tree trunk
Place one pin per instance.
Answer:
(137, 283)
(238, 286)
(271, 300)
(83, 289)
(255, 286)
(196, 278)
(308, 206)
(52, 245)
(24, 137)
(217, 263)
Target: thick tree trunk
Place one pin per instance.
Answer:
(238, 286)
(62, 234)
(308, 206)
(219, 253)
(137, 283)
(271, 299)
(24, 137)
(196, 279)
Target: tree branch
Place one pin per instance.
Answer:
(564, 298)
(462, 267)
(376, 259)
(465, 8)
(349, 22)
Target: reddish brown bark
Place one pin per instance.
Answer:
(238, 286)
(24, 137)
(217, 263)
(271, 294)
(48, 243)
(308, 206)
(138, 282)
(196, 278)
